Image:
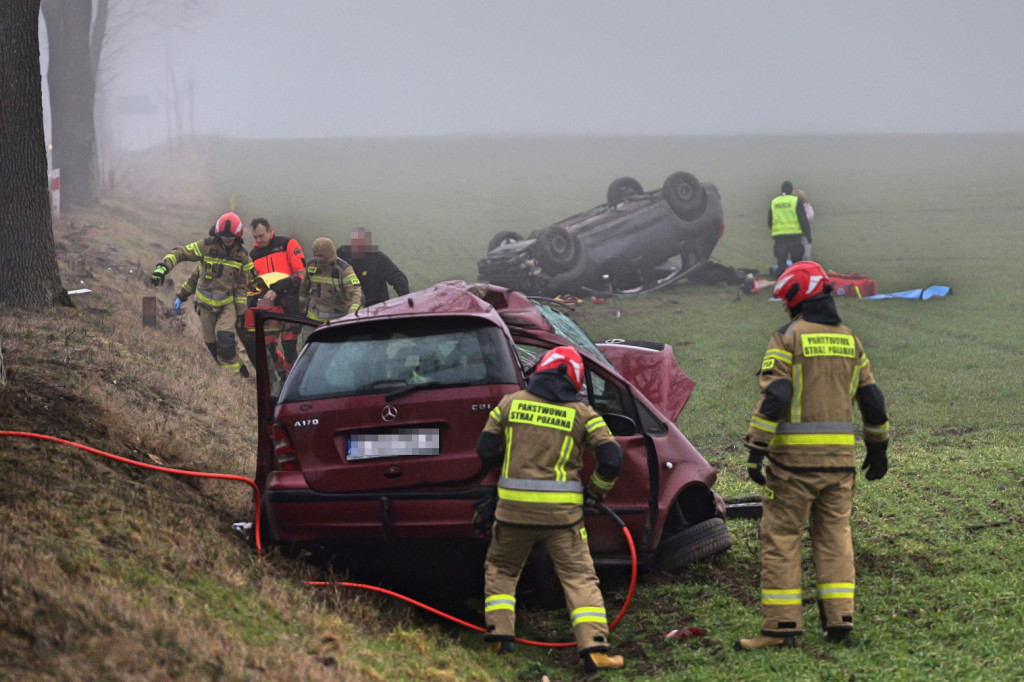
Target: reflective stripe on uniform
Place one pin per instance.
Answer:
(764, 424)
(812, 439)
(600, 483)
(782, 597)
(541, 491)
(588, 614)
(795, 411)
(500, 602)
(878, 432)
(815, 427)
(496, 414)
(563, 458)
(595, 423)
(318, 316)
(213, 298)
(835, 591)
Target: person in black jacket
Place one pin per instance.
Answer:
(374, 269)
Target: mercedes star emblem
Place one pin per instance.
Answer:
(389, 413)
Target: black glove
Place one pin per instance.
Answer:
(755, 463)
(876, 462)
(157, 278)
(483, 516)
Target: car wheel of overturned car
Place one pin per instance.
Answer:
(685, 195)
(698, 542)
(621, 188)
(557, 250)
(502, 238)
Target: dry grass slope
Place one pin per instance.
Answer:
(108, 571)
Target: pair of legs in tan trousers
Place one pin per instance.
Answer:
(791, 499)
(510, 547)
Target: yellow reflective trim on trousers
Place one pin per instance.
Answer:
(764, 424)
(540, 497)
(836, 590)
(563, 458)
(798, 394)
(782, 597)
(500, 602)
(588, 614)
(813, 439)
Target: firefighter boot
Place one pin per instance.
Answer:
(599, 660)
(839, 635)
(763, 642)
(501, 646)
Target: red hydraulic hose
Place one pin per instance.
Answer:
(371, 588)
(166, 470)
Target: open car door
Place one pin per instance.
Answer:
(273, 358)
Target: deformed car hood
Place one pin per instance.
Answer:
(652, 368)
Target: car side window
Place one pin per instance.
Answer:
(604, 396)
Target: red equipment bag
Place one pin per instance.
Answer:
(852, 284)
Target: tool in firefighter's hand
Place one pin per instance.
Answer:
(159, 272)
(876, 461)
(755, 465)
(483, 516)
(177, 305)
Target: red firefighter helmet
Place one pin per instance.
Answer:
(563, 356)
(229, 225)
(801, 281)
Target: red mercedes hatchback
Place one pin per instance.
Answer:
(372, 436)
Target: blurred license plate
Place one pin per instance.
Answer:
(398, 443)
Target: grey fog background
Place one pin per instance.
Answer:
(341, 68)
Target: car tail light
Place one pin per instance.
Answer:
(283, 450)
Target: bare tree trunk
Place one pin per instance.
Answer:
(72, 98)
(29, 277)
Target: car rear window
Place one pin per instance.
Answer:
(390, 356)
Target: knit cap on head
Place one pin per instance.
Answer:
(324, 247)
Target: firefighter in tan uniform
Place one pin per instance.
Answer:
(221, 285)
(536, 436)
(814, 370)
(329, 290)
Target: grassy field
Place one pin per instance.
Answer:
(938, 594)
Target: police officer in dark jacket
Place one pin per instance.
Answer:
(374, 269)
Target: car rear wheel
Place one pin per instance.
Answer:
(502, 238)
(685, 195)
(621, 188)
(557, 249)
(698, 542)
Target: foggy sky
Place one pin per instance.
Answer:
(312, 68)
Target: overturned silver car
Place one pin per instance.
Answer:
(637, 241)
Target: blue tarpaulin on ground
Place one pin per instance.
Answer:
(915, 294)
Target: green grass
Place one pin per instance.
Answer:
(936, 542)
(935, 538)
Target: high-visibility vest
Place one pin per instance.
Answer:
(784, 220)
